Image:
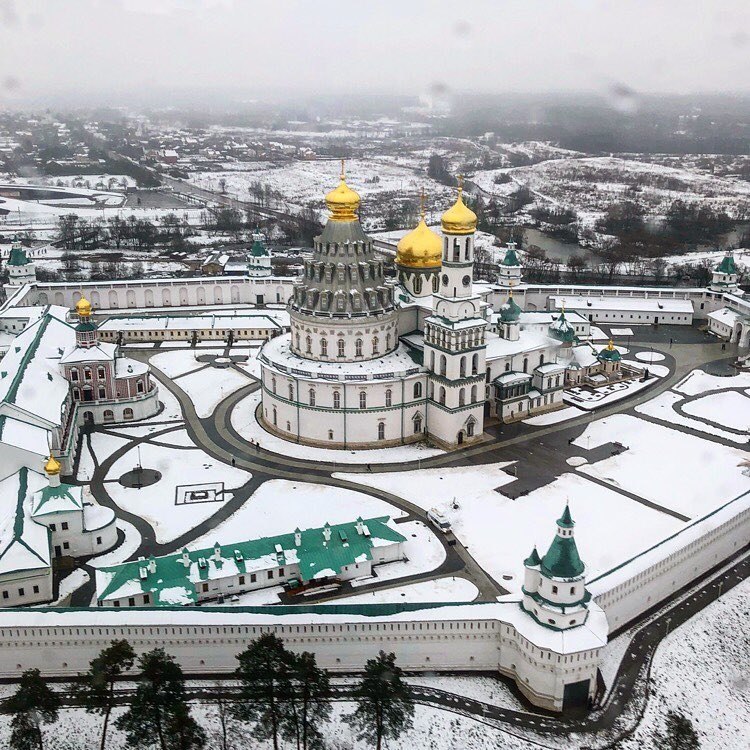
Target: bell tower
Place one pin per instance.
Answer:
(454, 337)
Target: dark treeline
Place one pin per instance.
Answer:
(282, 697)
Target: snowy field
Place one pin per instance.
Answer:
(176, 363)
(661, 408)
(244, 421)
(500, 533)
(208, 387)
(699, 381)
(156, 503)
(681, 472)
(700, 670)
(553, 417)
(587, 399)
(731, 409)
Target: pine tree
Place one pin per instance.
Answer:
(309, 704)
(264, 674)
(32, 705)
(679, 734)
(96, 691)
(159, 707)
(385, 707)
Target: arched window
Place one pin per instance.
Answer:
(109, 415)
(103, 392)
(312, 397)
(139, 386)
(389, 397)
(525, 364)
(336, 400)
(417, 284)
(324, 347)
(417, 390)
(87, 373)
(273, 384)
(330, 434)
(100, 372)
(462, 367)
(473, 394)
(291, 391)
(341, 346)
(358, 348)
(442, 395)
(475, 364)
(417, 424)
(74, 375)
(432, 361)
(381, 431)
(470, 428)
(387, 341)
(274, 416)
(308, 344)
(127, 413)
(443, 364)
(375, 342)
(362, 400)
(296, 335)
(541, 359)
(288, 426)
(462, 397)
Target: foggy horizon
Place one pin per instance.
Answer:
(107, 52)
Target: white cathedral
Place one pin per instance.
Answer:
(372, 363)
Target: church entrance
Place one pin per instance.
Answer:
(576, 694)
(88, 417)
(460, 438)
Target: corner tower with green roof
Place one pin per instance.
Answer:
(20, 269)
(554, 590)
(724, 277)
(258, 258)
(510, 272)
(510, 314)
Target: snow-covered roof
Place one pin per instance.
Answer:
(128, 368)
(188, 322)
(61, 499)
(726, 316)
(278, 354)
(528, 341)
(24, 544)
(638, 304)
(102, 352)
(30, 380)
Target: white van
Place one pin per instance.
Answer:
(439, 520)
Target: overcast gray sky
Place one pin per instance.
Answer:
(400, 46)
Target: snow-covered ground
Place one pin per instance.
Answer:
(700, 670)
(679, 471)
(500, 533)
(122, 553)
(176, 363)
(553, 417)
(699, 381)
(208, 387)
(72, 582)
(244, 421)
(587, 399)
(731, 409)
(649, 356)
(661, 408)
(439, 590)
(156, 503)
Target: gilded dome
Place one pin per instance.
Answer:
(421, 248)
(52, 466)
(342, 201)
(459, 218)
(83, 308)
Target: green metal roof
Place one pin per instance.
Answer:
(510, 311)
(561, 329)
(532, 559)
(727, 265)
(258, 250)
(17, 256)
(612, 355)
(562, 560)
(86, 325)
(61, 492)
(20, 518)
(314, 557)
(566, 520)
(511, 259)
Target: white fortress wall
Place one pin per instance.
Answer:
(489, 637)
(637, 585)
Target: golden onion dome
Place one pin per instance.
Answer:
(421, 248)
(342, 201)
(52, 466)
(83, 308)
(459, 218)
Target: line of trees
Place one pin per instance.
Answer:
(282, 697)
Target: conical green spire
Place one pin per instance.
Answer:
(511, 259)
(17, 255)
(566, 520)
(533, 559)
